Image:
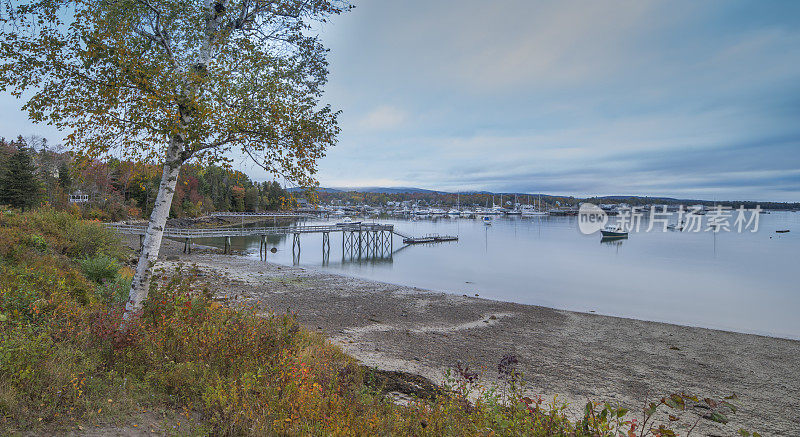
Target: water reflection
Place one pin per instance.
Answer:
(612, 241)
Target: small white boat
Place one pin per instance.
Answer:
(677, 226)
(529, 211)
(487, 220)
(454, 212)
(534, 211)
(614, 232)
(347, 221)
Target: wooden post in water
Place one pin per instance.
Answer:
(296, 242)
(296, 255)
(326, 247)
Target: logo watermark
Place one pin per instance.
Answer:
(592, 218)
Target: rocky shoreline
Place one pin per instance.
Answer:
(576, 356)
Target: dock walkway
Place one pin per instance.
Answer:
(232, 231)
(354, 236)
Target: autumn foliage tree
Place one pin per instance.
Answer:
(169, 81)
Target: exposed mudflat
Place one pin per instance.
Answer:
(575, 355)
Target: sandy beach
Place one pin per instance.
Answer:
(576, 356)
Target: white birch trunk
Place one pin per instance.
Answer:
(155, 231)
(169, 179)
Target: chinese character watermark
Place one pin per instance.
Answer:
(592, 218)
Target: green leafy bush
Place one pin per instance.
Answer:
(36, 242)
(64, 233)
(100, 268)
(115, 292)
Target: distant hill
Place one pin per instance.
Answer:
(388, 190)
(657, 199)
(525, 197)
(402, 190)
(319, 190)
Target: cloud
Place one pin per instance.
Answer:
(382, 118)
(570, 97)
(639, 97)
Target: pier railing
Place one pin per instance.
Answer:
(251, 231)
(260, 214)
(356, 237)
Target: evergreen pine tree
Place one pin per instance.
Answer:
(18, 184)
(64, 179)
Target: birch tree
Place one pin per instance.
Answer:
(172, 81)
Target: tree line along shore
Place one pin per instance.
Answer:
(33, 172)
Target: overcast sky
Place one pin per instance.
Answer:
(683, 99)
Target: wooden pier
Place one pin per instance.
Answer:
(357, 238)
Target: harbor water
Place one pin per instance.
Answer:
(743, 282)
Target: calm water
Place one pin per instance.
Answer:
(744, 282)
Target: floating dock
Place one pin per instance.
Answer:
(429, 239)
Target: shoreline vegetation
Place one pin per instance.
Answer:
(230, 346)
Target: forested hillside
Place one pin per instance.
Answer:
(33, 173)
